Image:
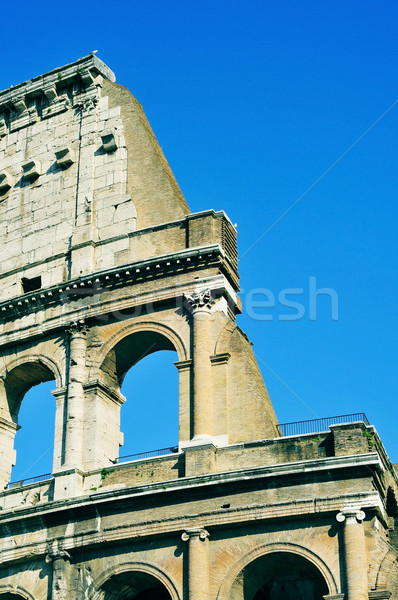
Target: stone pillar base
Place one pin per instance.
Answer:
(200, 459)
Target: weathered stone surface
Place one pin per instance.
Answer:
(102, 263)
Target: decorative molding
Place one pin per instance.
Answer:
(19, 105)
(77, 328)
(184, 365)
(57, 106)
(220, 359)
(97, 386)
(199, 300)
(195, 532)
(56, 555)
(351, 515)
(90, 285)
(48, 94)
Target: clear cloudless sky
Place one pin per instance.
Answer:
(257, 104)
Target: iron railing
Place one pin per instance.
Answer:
(319, 425)
(21, 482)
(148, 454)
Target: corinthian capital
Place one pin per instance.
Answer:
(199, 300)
(77, 328)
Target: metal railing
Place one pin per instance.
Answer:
(22, 482)
(148, 454)
(319, 425)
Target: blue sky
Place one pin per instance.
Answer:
(259, 106)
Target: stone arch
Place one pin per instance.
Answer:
(132, 328)
(120, 352)
(23, 372)
(149, 569)
(222, 346)
(9, 592)
(17, 377)
(388, 565)
(231, 577)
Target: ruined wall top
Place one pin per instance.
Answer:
(86, 67)
(84, 184)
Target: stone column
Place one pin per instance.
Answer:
(354, 549)
(61, 574)
(198, 563)
(75, 396)
(200, 304)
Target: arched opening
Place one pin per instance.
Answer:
(391, 504)
(34, 440)
(280, 576)
(142, 366)
(12, 596)
(134, 585)
(149, 417)
(28, 409)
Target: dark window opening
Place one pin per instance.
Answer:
(30, 285)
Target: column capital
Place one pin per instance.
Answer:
(351, 515)
(52, 556)
(199, 301)
(195, 532)
(77, 328)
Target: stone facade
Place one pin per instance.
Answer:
(102, 264)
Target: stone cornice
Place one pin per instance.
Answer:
(301, 507)
(90, 285)
(369, 461)
(76, 84)
(14, 96)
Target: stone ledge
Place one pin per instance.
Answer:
(174, 525)
(366, 461)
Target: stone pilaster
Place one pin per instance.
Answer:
(8, 430)
(198, 563)
(184, 375)
(219, 363)
(101, 436)
(60, 395)
(200, 305)
(354, 550)
(77, 333)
